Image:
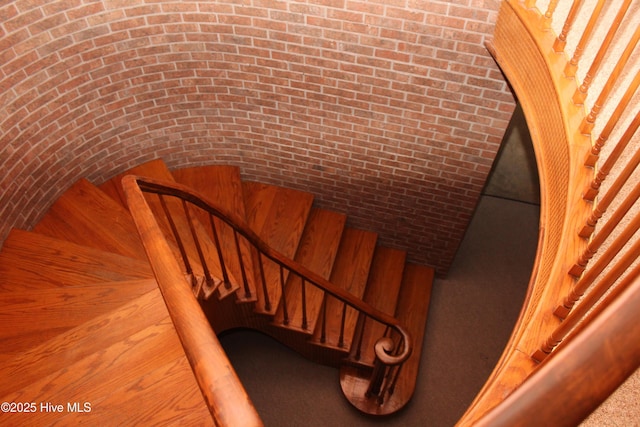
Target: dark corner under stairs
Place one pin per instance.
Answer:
(83, 320)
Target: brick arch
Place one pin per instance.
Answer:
(391, 111)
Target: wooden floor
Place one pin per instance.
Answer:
(83, 321)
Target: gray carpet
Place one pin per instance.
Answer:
(472, 313)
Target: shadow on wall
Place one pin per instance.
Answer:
(514, 174)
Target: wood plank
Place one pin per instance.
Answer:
(152, 169)
(31, 261)
(278, 215)
(87, 216)
(258, 200)
(222, 185)
(82, 341)
(105, 368)
(29, 318)
(140, 376)
(383, 287)
(350, 272)
(167, 396)
(412, 312)
(317, 251)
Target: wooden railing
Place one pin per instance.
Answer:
(570, 385)
(227, 400)
(196, 226)
(577, 338)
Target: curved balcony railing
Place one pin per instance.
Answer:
(577, 337)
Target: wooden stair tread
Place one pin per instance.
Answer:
(146, 373)
(157, 169)
(383, 287)
(278, 215)
(412, 312)
(350, 272)
(105, 369)
(317, 251)
(178, 399)
(87, 216)
(31, 317)
(152, 169)
(222, 185)
(30, 260)
(112, 328)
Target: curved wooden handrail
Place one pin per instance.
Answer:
(227, 400)
(387, 355)
(238, 224)
(572, 384)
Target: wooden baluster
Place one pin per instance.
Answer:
(176, 235)
(387, 383)
(597, 241)
(548, 15)
(216, 241)
(342, 324)
(285, 310)
(394, 379)
(243, 270)
(591, 274)
(594, 187)
(381, 372)
(561, 41)
(207, 275)
(362, 319)
(589, 121)
(592, 221)
(607, 300)
(304, 302)
(392, 372)
(263, 280)
(605, 201)
(375, 383)
(581, 93)
(323, 334)
(577, 317)
(572, 66)
(594, 153)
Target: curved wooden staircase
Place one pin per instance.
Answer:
(87, 334)
(91, 329)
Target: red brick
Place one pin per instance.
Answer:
(395, 103)
(85, 11)
(21, 20)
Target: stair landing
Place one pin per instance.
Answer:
(412, 311)
(115, 366)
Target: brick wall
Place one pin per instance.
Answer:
(391, 111)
